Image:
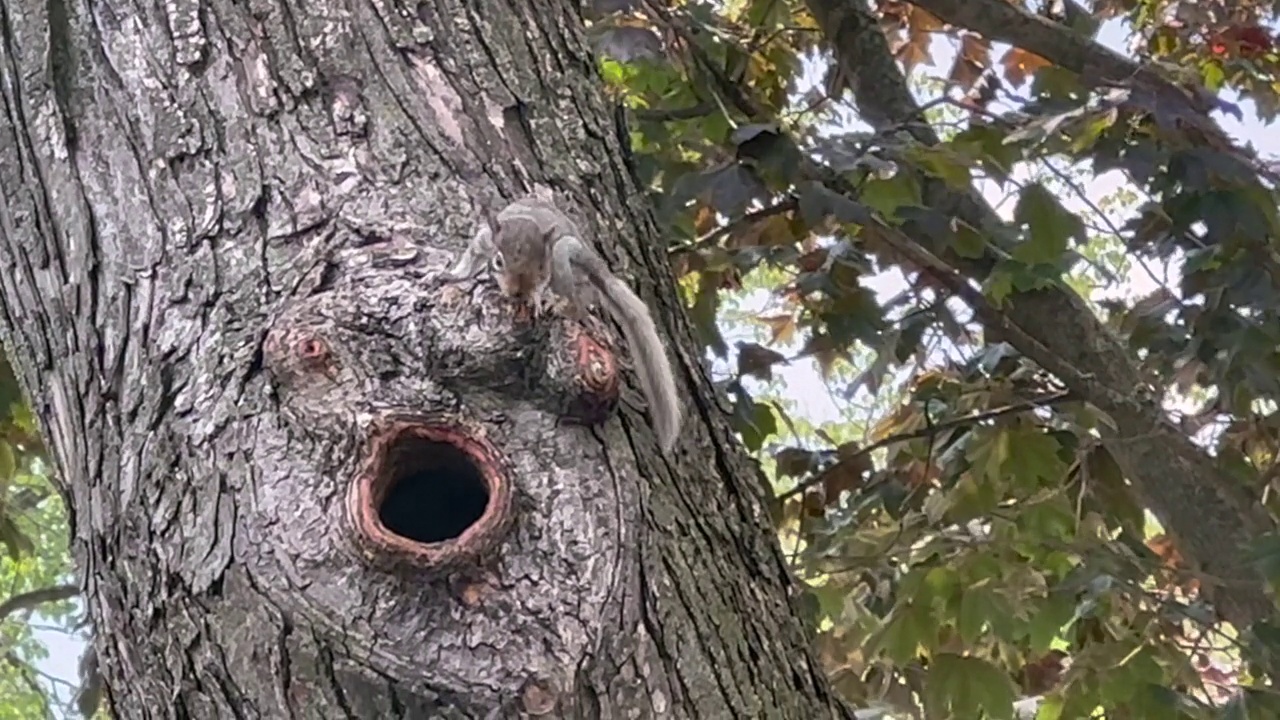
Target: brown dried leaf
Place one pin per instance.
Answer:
(774, 230)
(847, 473)
(704, 220)
(812, 261)
(975, 49)
(1019, 65)
(922, 20)
(964, 74)
(914, 50)
(825, 351)
(974, 58)
(782, 328)
(1045, 674)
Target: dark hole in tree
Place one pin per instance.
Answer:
(435, 491)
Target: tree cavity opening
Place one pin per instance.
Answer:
(432, 494)
(433, 490)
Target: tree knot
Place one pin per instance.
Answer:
(295, 352)
(589, 370)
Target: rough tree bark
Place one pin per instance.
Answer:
(308, 479)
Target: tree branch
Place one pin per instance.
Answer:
(670, 114)
(748, 219)
(931, 430)
(1205, 508)
(29, 600)
(1095, 63)
(1002, 22)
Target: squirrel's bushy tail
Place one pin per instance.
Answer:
(649, 354)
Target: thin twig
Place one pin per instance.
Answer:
(701, 109)
(747, 219)
(29, 600)
(932, 430)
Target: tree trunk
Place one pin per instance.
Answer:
(307, 477)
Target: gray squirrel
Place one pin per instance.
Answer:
(534, 247)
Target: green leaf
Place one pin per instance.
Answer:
(986, 145)
(886, 196)
(901, 635)
(989, 452)
(943, 164)
(1051, 708)
(1106, 481)
(1264, 553)
(1252, 703)
(1036, 461)
(1050, 226)
(1050, 622)
(968, 687)
(16, 542)
(975, 608)
(998, 286)
(754, 421)
(8, 463)
(939, 584)
(969, 243)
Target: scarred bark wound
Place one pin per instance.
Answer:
(222, 226)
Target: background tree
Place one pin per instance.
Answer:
(35, 572)
(1041, 487)
(996, 526)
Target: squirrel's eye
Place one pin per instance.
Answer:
(498, 262)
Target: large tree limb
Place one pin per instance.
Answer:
(1002, 22)
(1095, 63)
(1212, 517)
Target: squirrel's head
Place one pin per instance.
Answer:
(521, 258)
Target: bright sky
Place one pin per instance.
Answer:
(803, 383)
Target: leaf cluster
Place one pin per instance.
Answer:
(974, 542)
